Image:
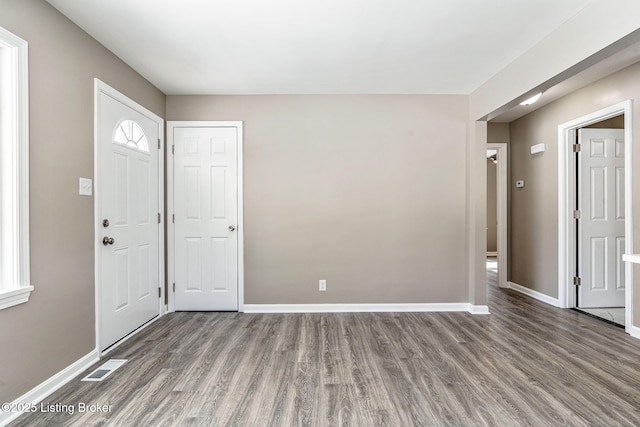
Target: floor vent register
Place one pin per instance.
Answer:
(104, 370)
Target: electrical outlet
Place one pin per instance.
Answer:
(322, 285)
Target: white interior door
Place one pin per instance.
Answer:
(129, 249)
(206, 218)
(601, 235)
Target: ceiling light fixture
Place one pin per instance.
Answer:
(531, 100)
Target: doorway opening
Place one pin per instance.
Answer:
(594, 214)
(497, 213)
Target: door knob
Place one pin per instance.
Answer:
(232, 228)
(108, 241)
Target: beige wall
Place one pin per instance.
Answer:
(498, 132)
(616, 122)
(367, 192)
(56, 327)
(534, 241)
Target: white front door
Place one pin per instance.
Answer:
(601, 227)
(205, 201)
(128, 209)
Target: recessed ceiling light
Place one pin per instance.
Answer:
(531, 100)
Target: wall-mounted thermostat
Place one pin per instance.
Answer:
(520, 183)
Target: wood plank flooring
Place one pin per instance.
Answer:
(525, 364)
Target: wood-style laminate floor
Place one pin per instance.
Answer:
(525, 364)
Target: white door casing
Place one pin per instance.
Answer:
(128, 196)
(205, 237)
(566, 204)
(602, 223)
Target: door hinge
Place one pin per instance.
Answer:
(159, 292)
(159, 216)
(576, 148)
(159, 144)
(174, 287)
(577, 281)
(173, 218)
(577, 214)
(173, 149)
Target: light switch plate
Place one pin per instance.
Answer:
(86, 187)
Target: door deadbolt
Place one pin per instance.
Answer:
(105, 223)
(108, 241)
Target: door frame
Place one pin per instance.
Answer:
(502, 154)
(102, 88)
(171, 126)
(566, 198)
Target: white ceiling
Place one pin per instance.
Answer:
(318, 46)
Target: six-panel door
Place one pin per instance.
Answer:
(602, 224)
(206, 218)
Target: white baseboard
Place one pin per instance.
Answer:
(364, 308)
(43, 390)
(534, 294)
(478, 309)
(634, 331)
